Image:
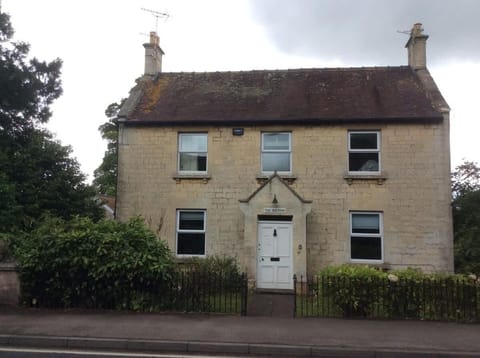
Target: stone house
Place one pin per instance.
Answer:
(290, 171)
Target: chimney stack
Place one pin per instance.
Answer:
(153, 55)
(417, 48)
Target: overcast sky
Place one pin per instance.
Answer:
(100, 43)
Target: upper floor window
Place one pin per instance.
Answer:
(192, 152)
(366, 236)
(191, 232)
(364, 152)
(276, 152)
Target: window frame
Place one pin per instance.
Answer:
(377, 150)
(289, 151)
(179, 151)
(204, 232)
(379, 235)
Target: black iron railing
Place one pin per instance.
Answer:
(446, 299)
(208, 292)
(179, 291)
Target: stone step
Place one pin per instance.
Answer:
(271, 304)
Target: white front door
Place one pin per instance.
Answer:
(274, 255)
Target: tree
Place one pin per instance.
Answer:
(28, 86)
(465, 178)
(466, 217)
(48, 180)
(38, 176)
(466, 224)
(106, 174)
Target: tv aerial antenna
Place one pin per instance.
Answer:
(164, 15)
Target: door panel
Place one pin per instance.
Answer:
(283, 274)
(284, 241)
(267, 243)
(274, 255)
(267, 274)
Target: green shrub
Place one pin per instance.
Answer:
(213, 264)
(80, 263)
(368, 292)
(212, 271)
(351, 288)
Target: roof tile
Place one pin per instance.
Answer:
(283, 95)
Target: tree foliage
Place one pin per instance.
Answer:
(106, 174)
(466, 217)
(37, 174)
(28, 86)
(465, 178)
(47, 179)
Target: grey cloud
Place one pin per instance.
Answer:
(365, 31)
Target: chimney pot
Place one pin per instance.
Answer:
(417, 29)
(154, 39)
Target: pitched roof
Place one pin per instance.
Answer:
(108, 200)
(278, 96)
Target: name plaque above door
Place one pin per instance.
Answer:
(274, 210)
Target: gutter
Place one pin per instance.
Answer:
(296, 121)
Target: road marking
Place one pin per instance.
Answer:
(105, 354)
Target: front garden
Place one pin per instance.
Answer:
(122, 266)
(365, 292)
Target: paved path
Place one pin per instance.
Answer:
(271, 305)
(241, 335)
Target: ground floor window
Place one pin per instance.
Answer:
(191, 232)
(366, 236)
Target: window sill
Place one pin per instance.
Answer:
(289, 178)
(380, 177)
(179, 177)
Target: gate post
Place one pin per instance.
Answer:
(294, 295)
(244, 294)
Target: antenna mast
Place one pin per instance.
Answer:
(157, 15)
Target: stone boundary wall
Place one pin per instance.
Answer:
(9, 284)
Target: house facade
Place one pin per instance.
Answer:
(291, 171)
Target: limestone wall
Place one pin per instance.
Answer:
(414, 197)
(9, 284)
